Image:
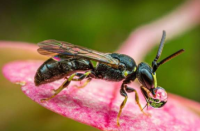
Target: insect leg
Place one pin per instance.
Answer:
(83, 76)
(129, 90)
(85, 83)
(79, 75)
(147, 91)
(123, 93)
(148, 94)
(65, 84)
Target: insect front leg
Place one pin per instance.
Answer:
(148, 94)
(123, 93)
(129, 90)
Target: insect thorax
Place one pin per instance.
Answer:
(110, 73)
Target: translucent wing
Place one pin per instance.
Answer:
(54, 48)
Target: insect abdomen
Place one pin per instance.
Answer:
(52, 70)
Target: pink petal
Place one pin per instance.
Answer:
(18, 45)
(20, 50)
(98, 103)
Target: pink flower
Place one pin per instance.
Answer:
(98, 103)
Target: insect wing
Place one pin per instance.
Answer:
(55, 48)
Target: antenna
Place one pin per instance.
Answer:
(161, 46)
(170, 57)
(154, 63)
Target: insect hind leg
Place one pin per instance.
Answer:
(83, 76)
(66, 83)
(85, 83)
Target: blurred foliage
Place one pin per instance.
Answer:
(100, 25)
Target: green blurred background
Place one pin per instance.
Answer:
(100, 25)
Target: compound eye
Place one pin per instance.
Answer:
(147, 79)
